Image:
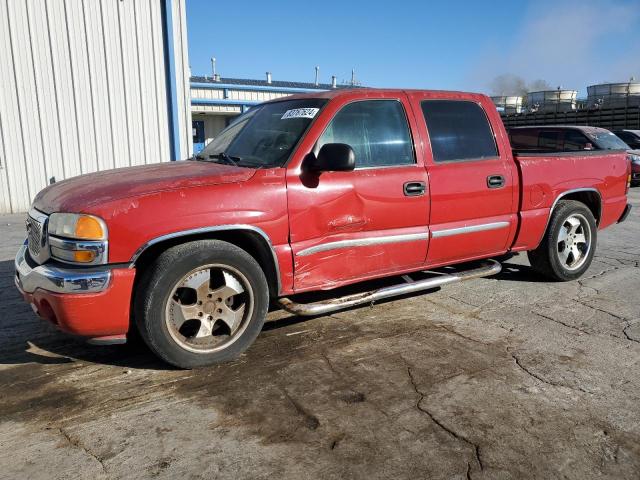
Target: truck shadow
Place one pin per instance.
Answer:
(28, 339)
(513, 272)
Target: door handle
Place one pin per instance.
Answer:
(495, 181)
(414, 189)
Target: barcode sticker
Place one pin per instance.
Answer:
(300, 113)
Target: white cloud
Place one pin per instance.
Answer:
(570, 43)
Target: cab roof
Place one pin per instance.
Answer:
(364, 92)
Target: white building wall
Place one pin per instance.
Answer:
(213, 124)
(83, 87)
(249, 95)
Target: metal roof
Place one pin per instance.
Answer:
(264, 83)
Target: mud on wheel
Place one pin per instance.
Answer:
(201, 303)
(568, 245)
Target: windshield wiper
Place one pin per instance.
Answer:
(226, 158)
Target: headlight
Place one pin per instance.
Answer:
(77, 226)
(78, 238)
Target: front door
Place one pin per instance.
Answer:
(473, 182)
(349, 226)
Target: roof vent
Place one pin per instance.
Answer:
(268, 77)
(334, 82)
(317, 76)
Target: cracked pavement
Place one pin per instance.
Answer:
(509, 377)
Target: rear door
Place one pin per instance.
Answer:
(472, 178)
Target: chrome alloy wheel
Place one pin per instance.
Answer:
(574, 241)
(209, 308)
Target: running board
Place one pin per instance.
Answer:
(489, 267)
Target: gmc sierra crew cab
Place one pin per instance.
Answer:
(306, 193)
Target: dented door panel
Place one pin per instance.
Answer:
(362, 222)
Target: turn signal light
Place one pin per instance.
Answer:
(88, 228)
(84, 256)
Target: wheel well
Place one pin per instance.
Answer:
(251, 242)
(590, 198)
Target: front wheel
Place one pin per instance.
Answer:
(568, 245)
(201, 303)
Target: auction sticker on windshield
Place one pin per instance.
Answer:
(300, 113)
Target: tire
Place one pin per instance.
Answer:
(201, 303)
(556, 257)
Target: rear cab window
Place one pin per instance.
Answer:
(459, 130)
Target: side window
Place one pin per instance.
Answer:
(524, 139)
(458, 130)
(574, 141)
(549, 140)
(377, 130)
(628, 138)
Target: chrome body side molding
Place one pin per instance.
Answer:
(363, 242)
(218, 228)
(472, 228)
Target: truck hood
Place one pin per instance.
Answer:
(78, 193)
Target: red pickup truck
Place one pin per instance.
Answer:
(309, 192)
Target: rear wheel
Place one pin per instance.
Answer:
(568, 245)
(201, 303)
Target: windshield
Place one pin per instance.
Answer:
(266, 135)
(607, 141)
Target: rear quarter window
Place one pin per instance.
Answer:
(524, 139)
(458, 130)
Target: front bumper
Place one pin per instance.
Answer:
(91, 302)
(31, 277)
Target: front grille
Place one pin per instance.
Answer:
(34, 230)
(37, 236)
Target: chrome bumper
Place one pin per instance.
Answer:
(58, 280)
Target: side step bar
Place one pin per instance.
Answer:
(489, 267)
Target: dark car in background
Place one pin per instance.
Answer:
(630, 137)
(570, 138)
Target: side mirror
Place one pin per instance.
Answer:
(334, 157)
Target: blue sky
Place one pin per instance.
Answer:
(460, 45)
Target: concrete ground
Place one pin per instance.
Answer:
(508, 377)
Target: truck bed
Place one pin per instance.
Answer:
(598, 176)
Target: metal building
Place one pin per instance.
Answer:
(508, 103)
(558, 100)
(614, 94)
(89, 85)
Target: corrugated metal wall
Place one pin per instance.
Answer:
(83, 87)
(183, 77)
